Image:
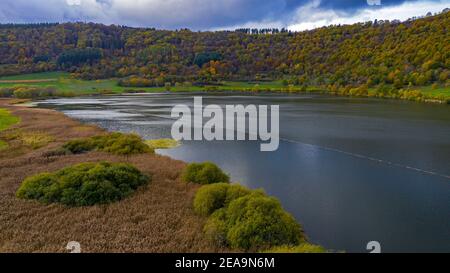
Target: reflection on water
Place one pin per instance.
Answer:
(350, 170)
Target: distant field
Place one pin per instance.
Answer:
(36, 76)
(65, 83)
(62, 81)
(27, 81)
(436, 92)
(6, 120)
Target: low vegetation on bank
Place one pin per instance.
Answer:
(244, 219)
(252, 222)
(88, 183)
(6, 120)
(32, 139)
(84, 184)
(164, 143)
(115, 143)
(435, 93)
(36, 86)
(32, 92)
(301, 248)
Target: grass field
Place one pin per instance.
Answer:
(445, 91)
(36, 76)
(65, 83)
(6, 120)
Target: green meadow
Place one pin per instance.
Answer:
(6, 120)
(439, 91)
(64, 82)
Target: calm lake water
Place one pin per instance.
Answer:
(350, 170)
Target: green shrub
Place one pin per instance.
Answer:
(125, 144)
(257, 221)
(212, 197)
(78, 146)
(253, 221)
(245, 219)
(84, 184)
(216, 228)
(236, 191)
(115, 143)
(204, 173)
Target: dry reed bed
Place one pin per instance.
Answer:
(157, 218)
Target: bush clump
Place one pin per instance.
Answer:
(115, 143)
(78, 146)
(215, 196)
(204, 173)
(245, 219)
(253, 222)
(84, 184)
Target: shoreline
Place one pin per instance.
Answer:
(64, 85)
(127, 223)
(157, 218)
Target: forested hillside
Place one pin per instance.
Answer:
(414, 52)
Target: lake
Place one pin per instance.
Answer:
(350, 170)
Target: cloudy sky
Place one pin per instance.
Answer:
(215, 14)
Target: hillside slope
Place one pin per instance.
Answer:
(414, 52)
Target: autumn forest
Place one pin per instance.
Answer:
(410, 53)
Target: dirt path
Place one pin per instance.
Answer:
(157, 218)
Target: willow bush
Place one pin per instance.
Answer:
(204, 173)
(84, 184)
(115, 143)
(245, 219)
